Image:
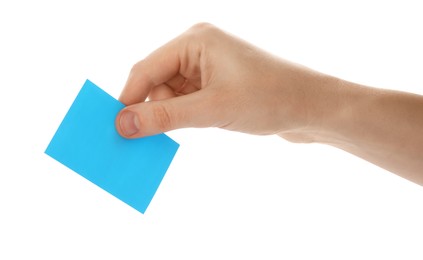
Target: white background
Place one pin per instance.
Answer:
(226, 195)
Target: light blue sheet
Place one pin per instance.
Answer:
(88, 143)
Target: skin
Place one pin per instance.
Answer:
(209, 78)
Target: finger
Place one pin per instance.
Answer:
(157, 68)
(150, 118)
(182, 85)
(177, 82)
(161, 92)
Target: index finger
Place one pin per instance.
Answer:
(156, 69)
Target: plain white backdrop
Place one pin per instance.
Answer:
(226, 195)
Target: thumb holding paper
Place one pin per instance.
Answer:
(154, 117)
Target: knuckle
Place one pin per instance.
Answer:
(137, 67)
(162, 118)
(202, 30)
(202, 26)
(139, 72)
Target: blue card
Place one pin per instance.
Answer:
(87, 142)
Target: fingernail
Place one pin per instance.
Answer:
(129, 123)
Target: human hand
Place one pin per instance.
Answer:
(208, 78)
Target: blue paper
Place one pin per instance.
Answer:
(87, 142)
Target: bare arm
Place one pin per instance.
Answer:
(208, 78)
(382, 126)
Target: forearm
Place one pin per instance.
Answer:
(384, 127)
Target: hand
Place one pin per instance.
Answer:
(208, 78)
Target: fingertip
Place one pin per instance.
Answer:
(127, 124)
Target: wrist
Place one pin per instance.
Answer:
(319, 108)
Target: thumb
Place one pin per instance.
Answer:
(154, 117)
